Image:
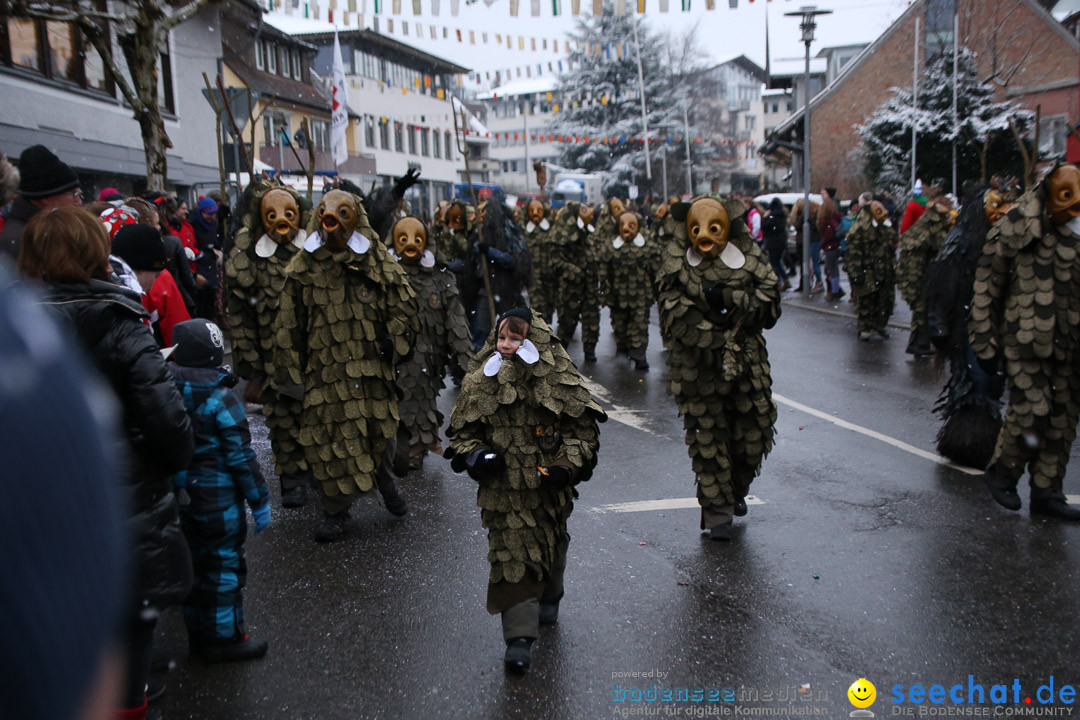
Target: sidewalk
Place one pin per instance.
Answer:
(901, 317)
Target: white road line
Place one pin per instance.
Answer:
(876, 435)
(666, 504)
(615, 412)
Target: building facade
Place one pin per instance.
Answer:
(727, 110)
(519, 115)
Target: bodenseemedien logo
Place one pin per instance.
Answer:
(862, 694)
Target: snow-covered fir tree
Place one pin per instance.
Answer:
(985, 142)
(603, 100)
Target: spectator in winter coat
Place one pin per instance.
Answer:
(140, 246)
(775, 238)
(752, 216)
(815, 245)
(61, 645)
(205, 224)
(177, 255)
(45, 183)
(223, 475)
(828, 220)
(915, 207)
(68, 250)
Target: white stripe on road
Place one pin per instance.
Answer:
(900, 444)
(618, 413)
(667, 504)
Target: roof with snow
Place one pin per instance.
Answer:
(745, 64)
(795, 67)
(1065, 8)
(314, 31)
(524, 86)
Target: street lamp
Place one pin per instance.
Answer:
(808, 13)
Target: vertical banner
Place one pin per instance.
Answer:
(555, 8)
(396, 6)
(710, 4)
(664, 8)
(597, 7)
(575, 7)
(514, 7)
(620, 7)
(454, 5)
(416, 9)
(535, 7)
(339, 110)
(352, 6)
(472, 37)
(435, 8)
(641, 7)
(390, 25)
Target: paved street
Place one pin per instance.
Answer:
(863, 556)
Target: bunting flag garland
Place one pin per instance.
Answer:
(396, 6)
(597, 7)
(575, 7)
(435, 8)
(620, 7)
(454, 5)
(416, 8)
(535, 7)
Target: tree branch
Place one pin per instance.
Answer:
(184, 14)
(102, 42)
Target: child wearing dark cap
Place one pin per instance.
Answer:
(224, 473)
(142, 250)
(525, 428)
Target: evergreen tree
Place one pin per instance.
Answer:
(603, 100)
(985, 143)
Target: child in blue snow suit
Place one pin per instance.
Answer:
(224, 473)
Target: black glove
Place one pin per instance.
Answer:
(715, 297)
(484, 464)
(557, 477)
(386, 349)
(406, 181)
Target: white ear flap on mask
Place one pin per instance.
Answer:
(639, 241)
(491, 367)
(544, 224)
(528, 352)
(732, 257)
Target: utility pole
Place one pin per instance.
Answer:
(689, 164)
(955, 93)
(915, 101)
(807, 25)
(525, 115)
(644, 116)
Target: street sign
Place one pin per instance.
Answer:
(633, 192)
(241, 101)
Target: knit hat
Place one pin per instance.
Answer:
(44, 174)
(199, 343)
(207, 205)
(141, 247)
(110, 195)
(917, 190)
(831, 191)
(113, 219)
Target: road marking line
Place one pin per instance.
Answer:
(615, 412)
(838, 313)
(876, 435)
(665, 504)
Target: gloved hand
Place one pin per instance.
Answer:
(262, 517)
(386, 349)
(481, 464)
(555, 477)
(504, 259)
(715, 297)
(406, 181)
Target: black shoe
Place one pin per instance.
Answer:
(332, 528)
(641, 364)
(1002, 490)
(388, 488)
(549, 611)
(517, 654)
(740, 507)
(721, 532)
(155, 689)
(590, 352)
(294, 497)
(1052, 506)
(236, 650)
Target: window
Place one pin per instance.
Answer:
(939, 27)
(751, 120)
(436, 146)
(271, 58)
(412, 139)
(384, 135)
(260, 55)
(369, 131)
(296, 65)
(449, 146)
(399, 139)
(286, 70)
(165, 86)
(273, 126)
(320, 134)
(425, 142)
(55, 50)
(1053, 132)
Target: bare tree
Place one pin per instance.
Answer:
(142, 28)
(992, 30)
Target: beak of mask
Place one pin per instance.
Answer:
(281, 216)
(628, 226)
(338, 218)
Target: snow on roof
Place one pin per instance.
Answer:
(775, 92)
(1065, 8)
(476, 128)
(298, 25)
(794, 67)
(524, 86)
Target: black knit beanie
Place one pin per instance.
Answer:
(199, 344)
(141, 247)
(43, 174)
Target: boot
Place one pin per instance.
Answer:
(864, 335)
(293, 497)
(238, 649)
(388, 488)
(1002, 488)
(638, 356)
(590, 352)
(817, 288)
(549, 611)
(517, 654)
(1052, 506)
(401, 453)
(720, 532)
(883, 333)
(740, 507)
(332, 527)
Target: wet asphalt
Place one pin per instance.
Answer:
(862, 559)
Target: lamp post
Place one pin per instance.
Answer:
(664, 127)
(808, 13)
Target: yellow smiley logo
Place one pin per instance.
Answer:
(862, 693)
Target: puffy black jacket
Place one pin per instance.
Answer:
(15, 220)
(109, 322)
(207, 240)
(774, 232)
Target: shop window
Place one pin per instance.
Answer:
(296, 66)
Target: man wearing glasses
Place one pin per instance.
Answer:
(46, 182)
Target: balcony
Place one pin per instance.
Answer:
(356, 164)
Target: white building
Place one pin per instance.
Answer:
(731, 115)
(519, 115)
